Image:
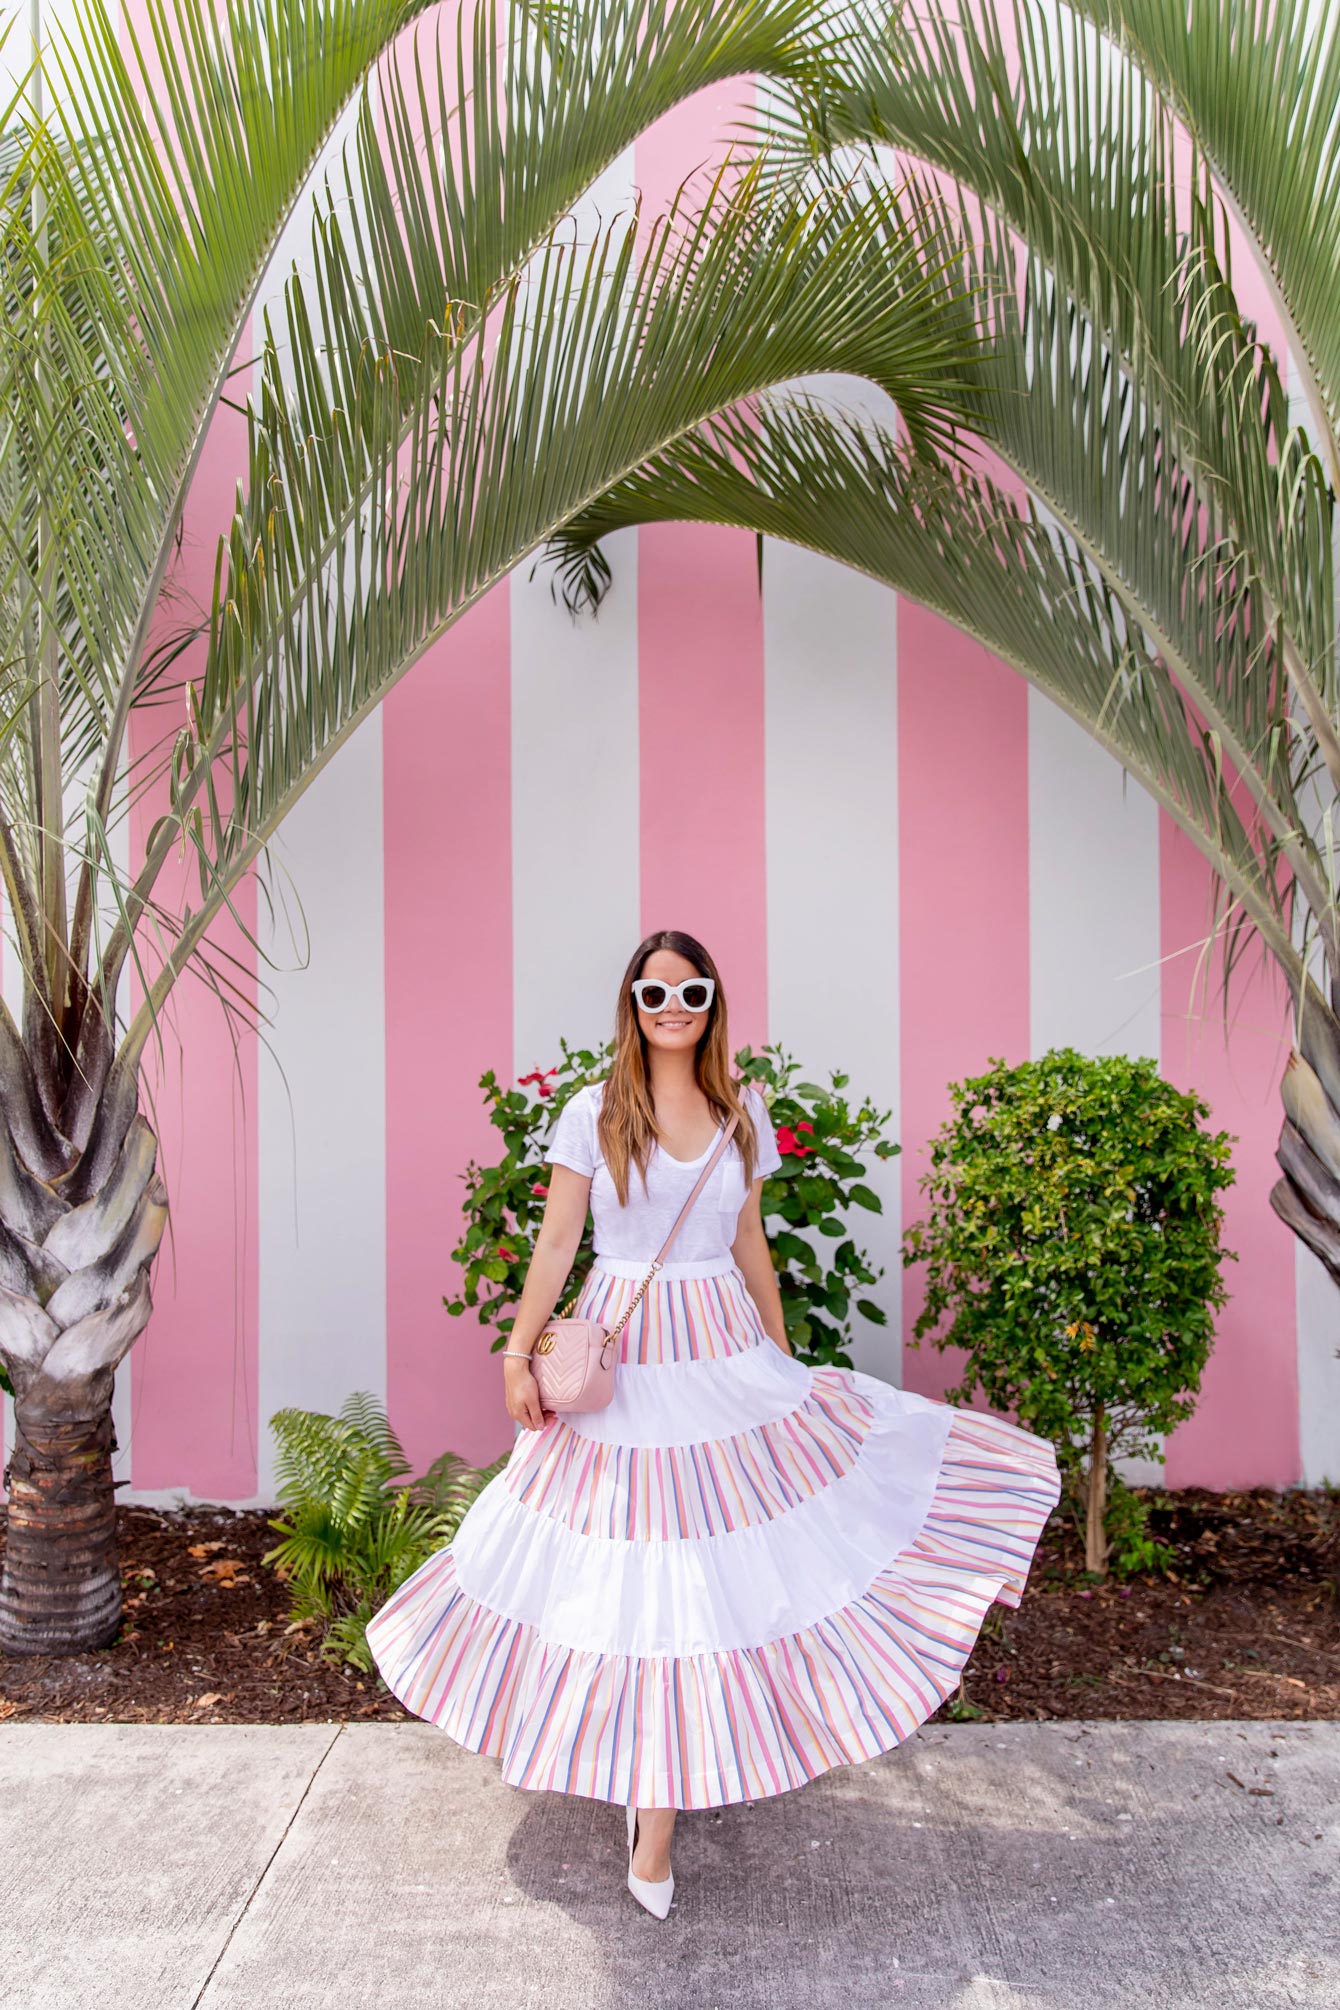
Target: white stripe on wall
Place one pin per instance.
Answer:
(321, 1099)
(1093, 904)
(1318, 1310)
(576, 904)
(1316, 1297)
(1093, 884)
(321, 1122)
(831, 735)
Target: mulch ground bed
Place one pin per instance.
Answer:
(1245, 1624)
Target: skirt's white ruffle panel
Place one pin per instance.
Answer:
(739, 1588)
(693, 1618)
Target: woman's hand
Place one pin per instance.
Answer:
(556, 1242)
(522, 1394)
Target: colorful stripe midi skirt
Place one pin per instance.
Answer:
(742, 1572)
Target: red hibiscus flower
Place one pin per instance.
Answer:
(540, 1077)
(788, 1143)
(539, 1189)
(509, 1254)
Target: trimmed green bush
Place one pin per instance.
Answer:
(1073, 1253)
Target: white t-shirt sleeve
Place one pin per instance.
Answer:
(574, 1140)
(769, 1158)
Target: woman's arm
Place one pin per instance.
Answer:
(556, 1243)
(750, 1250)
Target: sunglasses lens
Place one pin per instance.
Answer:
(695, 996)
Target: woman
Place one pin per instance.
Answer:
(744, 1570)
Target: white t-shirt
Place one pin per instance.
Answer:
(639, 1229)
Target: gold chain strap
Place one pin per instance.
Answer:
(628, 1311)
(635, 1300)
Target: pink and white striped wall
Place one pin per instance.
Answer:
(904, 860)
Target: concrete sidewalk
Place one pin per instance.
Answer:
(380, 1867)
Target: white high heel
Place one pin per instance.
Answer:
(654, 1893)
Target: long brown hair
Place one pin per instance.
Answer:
(627, 1126)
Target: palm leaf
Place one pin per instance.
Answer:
(953, 540)
(1257, 85)
(1128, 368)
(382, 506)
(1131, 400)
(139, 218)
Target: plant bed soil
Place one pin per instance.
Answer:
(1246, 1624)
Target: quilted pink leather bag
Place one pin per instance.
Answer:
(573, 1360)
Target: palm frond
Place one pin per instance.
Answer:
(139, 214)
(159, 182)
(1257, 85)
(953, 540)
(1126, 289)
(494, 140)
(1133, 401)
(382, 506)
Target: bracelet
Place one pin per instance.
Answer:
(513, 1354)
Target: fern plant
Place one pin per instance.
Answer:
(353, 1534)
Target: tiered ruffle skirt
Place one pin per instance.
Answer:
(741, 1573)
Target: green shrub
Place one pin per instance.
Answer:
(822, 1137)
(352, 1536)
(1126, 1523)
(1073, 1248)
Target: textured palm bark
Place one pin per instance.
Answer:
(62, 1584)
(1307, 1198)
(82, 1213)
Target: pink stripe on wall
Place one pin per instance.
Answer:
(447, 879)
(448, 890)
(963, 894)
(700, 681)
(700, 728)
(194, 1370)
(1245, 1428)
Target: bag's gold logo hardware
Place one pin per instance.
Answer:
(545, 1344)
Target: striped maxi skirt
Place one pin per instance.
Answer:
(742, 1572)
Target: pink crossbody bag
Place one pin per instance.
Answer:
(573, 1360)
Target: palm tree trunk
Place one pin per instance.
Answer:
(62, 1587)
(74, 1296)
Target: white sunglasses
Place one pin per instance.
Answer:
(693, 994)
